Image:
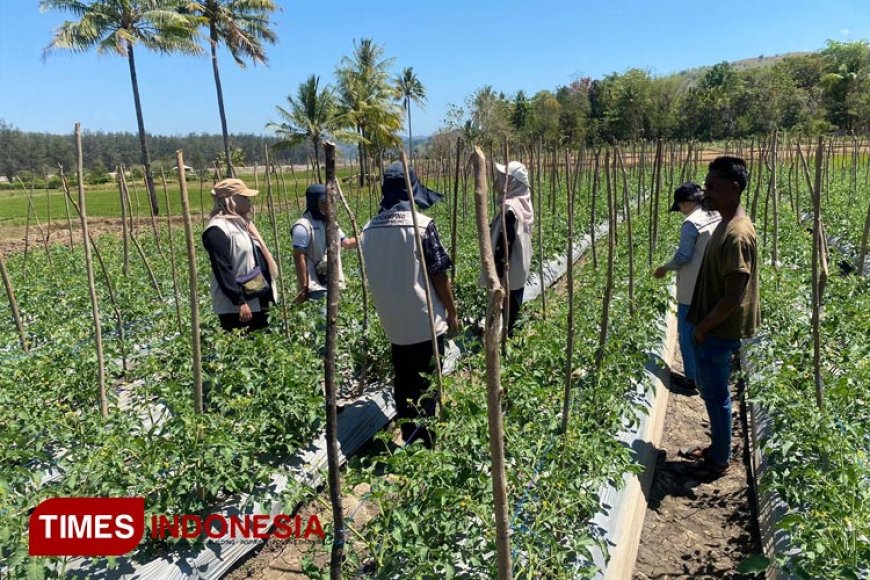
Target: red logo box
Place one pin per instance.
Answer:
(86, 526)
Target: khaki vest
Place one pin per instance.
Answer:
(705, 222)
(316, 251)
(395, 276)
(243, 259)
(521, 250)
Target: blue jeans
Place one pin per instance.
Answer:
(713, 359)
(687, 349)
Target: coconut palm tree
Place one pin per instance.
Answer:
(365, 97)
(312, 116)
(409, 88)
(243, 26)
(116, 26)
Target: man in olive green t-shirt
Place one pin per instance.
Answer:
(724, 305)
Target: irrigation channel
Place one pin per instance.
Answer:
(591, 424)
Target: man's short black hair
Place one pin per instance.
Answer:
(732, 169)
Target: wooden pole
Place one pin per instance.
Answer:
(274, 222)
(13, 303)
(817, 286)
(627, 209)
(608, 288)
(196, 347)
(569, 347)
(126, 267)
(363, 280)
(429, 308)
(539, 193)
(492, 335)
(175, 292)
(505, 255)
(69, 226)
(333, 295)
(453, 218)
(92, 290)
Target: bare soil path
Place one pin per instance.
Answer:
(696, 529)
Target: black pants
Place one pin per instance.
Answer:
(259, 320)
(515, 304)
(411, 363)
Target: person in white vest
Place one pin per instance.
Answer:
(242, 268)
(519, 218)
(395, 276)
(698, 226)
(309, 247)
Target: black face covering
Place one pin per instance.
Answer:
(314, 194)
(395, 191)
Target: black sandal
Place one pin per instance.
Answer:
(709, 470)
(696, 453)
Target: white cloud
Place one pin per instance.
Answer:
(845, 31)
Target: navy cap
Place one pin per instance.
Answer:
(688, 191)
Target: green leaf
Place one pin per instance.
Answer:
(754, 564)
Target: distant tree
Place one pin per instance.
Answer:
(408, 89)
(312, 116)
(365, 97)
(845, 81)
(116, 26)
(243, 27)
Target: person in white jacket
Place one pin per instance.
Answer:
(398, 288)
(519, 218)
(698, 226)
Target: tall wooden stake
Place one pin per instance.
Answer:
(92, 290)
(196, 347)
(817, 286)
(492, 335)
(333, 295)
(13, 304)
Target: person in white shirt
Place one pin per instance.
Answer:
(698, 226)
(309, 247)
(396, 281)
(519, 218)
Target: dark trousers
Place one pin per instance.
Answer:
(515, 304)
(259, 320)
(412, 363)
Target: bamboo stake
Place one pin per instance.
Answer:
(69, 226)
(569, 347)
(363, 281)
(333, 296)
(191, 279)
(608, 288)
(455, 215)
(540, 219)
(272, 219)
(175, 292)
(13, 303)
(92, 290)
(505, 255)
(595, 183)
(817, 287)
(774, 256)
(429, 308)
(627, 209)
(493, 368)
(126, 245)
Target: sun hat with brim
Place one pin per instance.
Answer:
(394, 190)
(516, 170)
(688, 191)
(231, 187)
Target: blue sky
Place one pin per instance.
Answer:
(455, 48)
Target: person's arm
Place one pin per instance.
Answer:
(510, 224)
(737, 260)
(301, 276)
(683, 255)
(348, 243)
(444, 290)
(301, 239)
(217, 244)
(438, 263)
